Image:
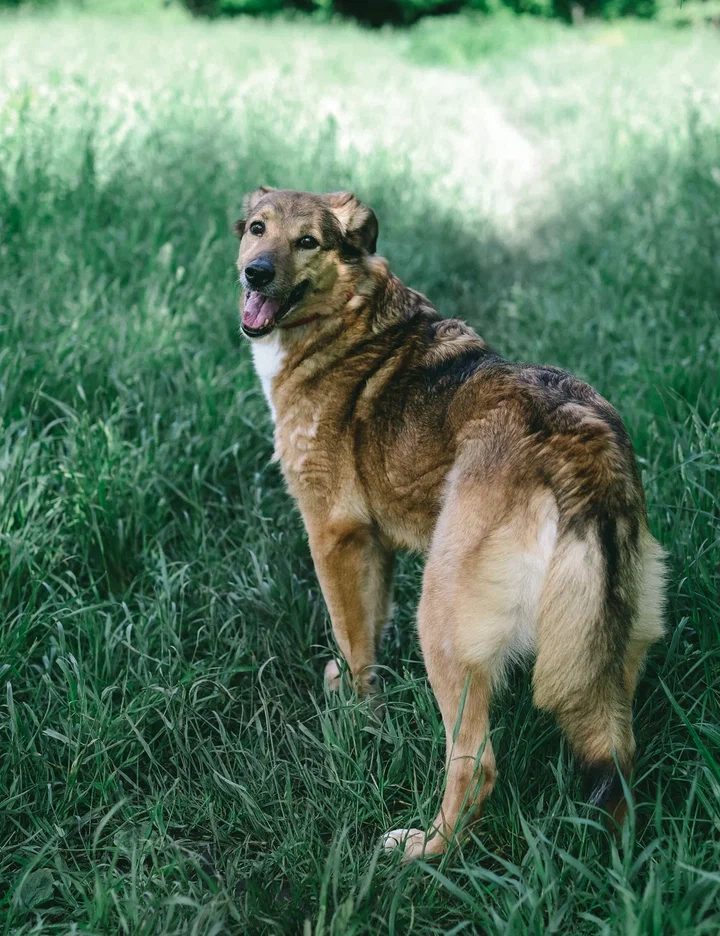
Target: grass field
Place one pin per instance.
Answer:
(169, 761)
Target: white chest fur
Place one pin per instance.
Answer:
(268, 356)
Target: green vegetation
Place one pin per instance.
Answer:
(405, 12)
(170, 763)
(378, 12)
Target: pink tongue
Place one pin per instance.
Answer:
(259, 310)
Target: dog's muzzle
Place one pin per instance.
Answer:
(260, 313)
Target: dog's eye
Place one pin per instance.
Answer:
(308, 243)
(257, 228)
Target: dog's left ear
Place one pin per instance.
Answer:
(252, 198)
(358, 223)
(249, 203)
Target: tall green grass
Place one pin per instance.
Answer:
(170, 763)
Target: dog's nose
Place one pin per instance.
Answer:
(260, 272)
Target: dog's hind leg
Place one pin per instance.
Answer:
(478, 611)
(463, 697)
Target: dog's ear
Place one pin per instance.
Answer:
(252, 198)
(358, 223)
(249, 203)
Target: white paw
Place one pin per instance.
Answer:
(413, 841)
(332, 675)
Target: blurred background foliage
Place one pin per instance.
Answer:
(403, 12)
(407, 12)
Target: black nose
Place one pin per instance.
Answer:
(260, 272)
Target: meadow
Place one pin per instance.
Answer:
(169, 760)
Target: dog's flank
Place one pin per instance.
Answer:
(396, 429)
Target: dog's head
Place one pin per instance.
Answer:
(294, 249)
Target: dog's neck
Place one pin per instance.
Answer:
(364, 304)
(372, 298)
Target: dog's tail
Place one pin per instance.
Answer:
(600, 609)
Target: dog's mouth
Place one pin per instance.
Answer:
(262, 313)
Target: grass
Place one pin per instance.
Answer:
(170, 763)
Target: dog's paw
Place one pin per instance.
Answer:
(412, 841)
(415, 843)
(367, 684)
(332, 675)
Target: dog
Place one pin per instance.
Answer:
(396, 429)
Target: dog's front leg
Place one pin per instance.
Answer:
(355, 573)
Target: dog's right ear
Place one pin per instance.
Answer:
(250, 201)
(358, 223)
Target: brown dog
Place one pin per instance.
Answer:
(396, 429)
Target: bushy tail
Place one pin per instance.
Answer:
(600, 609)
